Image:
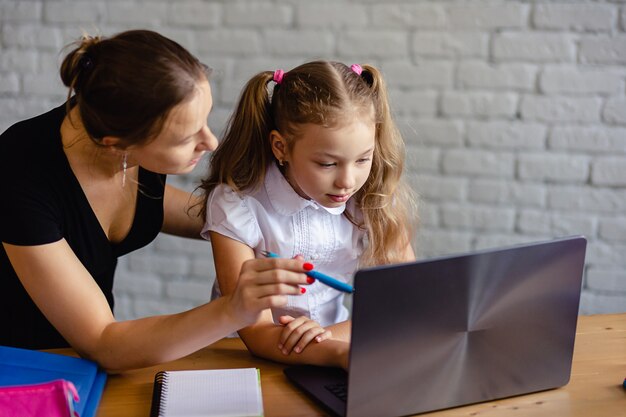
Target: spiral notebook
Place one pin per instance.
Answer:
(207, 392)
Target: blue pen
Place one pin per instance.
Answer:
(323, 278)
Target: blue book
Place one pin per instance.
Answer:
(24, 366)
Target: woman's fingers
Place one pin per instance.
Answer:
(268, 271)
(270, 264)
(266, 283)
(274, 277)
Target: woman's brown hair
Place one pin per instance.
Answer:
(125, 86)
(327, 94)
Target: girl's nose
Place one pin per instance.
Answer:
(345, 179)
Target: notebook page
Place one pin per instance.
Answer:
(213, 392)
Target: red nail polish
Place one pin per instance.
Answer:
(308, 266)
(302, 290)
(310, 280)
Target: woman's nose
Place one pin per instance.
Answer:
(209, 141)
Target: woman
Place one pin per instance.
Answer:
(85, 184)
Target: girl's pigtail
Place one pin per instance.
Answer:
(242, 157)
(388, 203)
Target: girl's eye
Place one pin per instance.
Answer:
(326, 165)
(362, 160)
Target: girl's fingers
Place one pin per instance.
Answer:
(293, 332)
(307, 338)
(305, 332)
(290, 326)
(318, 335)
(324, 336)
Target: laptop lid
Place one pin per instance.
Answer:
(461, 329)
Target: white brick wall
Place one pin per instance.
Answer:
(514, 113)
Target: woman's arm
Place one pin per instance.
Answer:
(180, 213)
(71, 300)
(263, 337)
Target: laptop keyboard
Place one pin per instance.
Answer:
(340, 390)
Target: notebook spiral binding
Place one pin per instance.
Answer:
(159, 393)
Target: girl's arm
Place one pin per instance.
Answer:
(263, 337)
(180, 213)
(71, 300)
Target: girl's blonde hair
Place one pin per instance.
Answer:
(322, 93)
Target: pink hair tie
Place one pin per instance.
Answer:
(356, 68)
(278, 76)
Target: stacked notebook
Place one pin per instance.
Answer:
(24, 367)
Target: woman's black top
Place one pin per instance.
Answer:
(42, 202)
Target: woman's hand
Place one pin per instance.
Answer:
(263, 284)
(299, 332)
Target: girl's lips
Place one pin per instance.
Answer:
(339, 198)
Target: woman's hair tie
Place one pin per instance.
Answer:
(86, 62)
(356, 68)
(278, 76)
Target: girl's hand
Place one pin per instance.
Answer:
(299, 332)
(263, 284)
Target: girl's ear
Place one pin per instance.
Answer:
(279, 146)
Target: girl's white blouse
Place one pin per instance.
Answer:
(275, 218)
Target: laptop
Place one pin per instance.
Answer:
(456, 330)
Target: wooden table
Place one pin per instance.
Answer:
(595, 388)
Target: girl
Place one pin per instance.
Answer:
(85, 183)
(310, 167)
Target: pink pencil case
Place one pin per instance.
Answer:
(51, 399)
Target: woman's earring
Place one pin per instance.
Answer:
(281, 162)
(124, 165)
